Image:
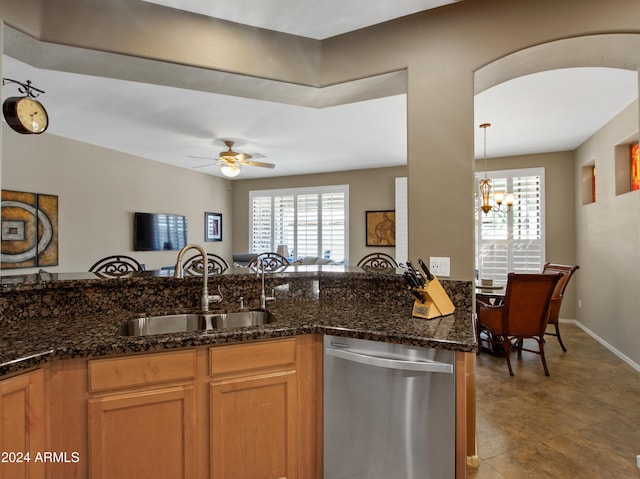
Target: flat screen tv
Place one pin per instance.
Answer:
(157, 232)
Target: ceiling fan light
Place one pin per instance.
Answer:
(230, 170)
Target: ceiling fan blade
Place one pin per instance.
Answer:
(258, 163)
(201, 157)
(201, 166)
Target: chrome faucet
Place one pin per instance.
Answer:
(263, 297)
(206, 297)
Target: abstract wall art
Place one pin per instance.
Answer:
(29, 230)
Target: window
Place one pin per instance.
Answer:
(310, 221)
(514, 241)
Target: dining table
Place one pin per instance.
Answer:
(494, 295)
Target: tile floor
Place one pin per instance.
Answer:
(583, 421)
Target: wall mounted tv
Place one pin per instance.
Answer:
(157, 232)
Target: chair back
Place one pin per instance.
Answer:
(215, 265)
(115, 266)
(269, 262)
(526, 301)
(377, 261)
(243, 259)
(556, 301)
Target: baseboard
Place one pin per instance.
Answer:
(618, 353)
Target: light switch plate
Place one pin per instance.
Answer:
(440, 266)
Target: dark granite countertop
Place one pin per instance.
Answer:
(31, 343)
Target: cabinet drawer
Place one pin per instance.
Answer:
(254, 356)
(105, 374)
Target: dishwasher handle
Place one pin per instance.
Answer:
(400, 364)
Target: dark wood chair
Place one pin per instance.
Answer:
(377, 261)
(116, 266)
(522, 315)
(556, 301)
(269, 262)
(215, 265)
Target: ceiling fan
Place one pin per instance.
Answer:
(231, 162)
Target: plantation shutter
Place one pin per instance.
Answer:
(307, 225)
(310, 221)
(283, 222)
(333, 225)
(261, 214)
(514, 241)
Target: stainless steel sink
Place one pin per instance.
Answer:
(172, 323)
(241, 319)
(183, 323)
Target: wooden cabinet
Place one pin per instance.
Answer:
(22, 426)
(249, 410)
(254, 411)
(142, 416)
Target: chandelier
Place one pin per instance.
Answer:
(485, 186)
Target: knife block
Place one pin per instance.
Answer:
(436, 301)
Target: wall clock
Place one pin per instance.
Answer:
(25, 115)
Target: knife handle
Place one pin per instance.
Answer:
(425, 269)
(416, 273)
(418, 295)
(410, 279)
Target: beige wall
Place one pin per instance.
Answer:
(98, 191)
(608, 242)
(441, 50)
(372, 189)
(560, 209)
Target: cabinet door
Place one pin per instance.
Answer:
(22, 426)
(143, 434)
(254, 427)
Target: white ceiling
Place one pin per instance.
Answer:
(550, 111)
(555, 110)
(318, 19)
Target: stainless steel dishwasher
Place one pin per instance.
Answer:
(389, 411)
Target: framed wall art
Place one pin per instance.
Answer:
(381, 228)
(29, 230)
(213, 226)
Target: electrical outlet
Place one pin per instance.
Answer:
(638, 461)
(440, 266)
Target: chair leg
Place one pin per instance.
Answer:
(544, 361)
(506, 345)
(556, 324)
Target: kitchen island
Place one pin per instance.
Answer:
(68, 329)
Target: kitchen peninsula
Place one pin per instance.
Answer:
(64, 333)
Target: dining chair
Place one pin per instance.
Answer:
(116, 266)
(269, 262)
(378, 261)
(215, 265)
(556, 301)
(522, 315)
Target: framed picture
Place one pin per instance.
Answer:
(29, 230)
(381, 228)
(213, 226)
